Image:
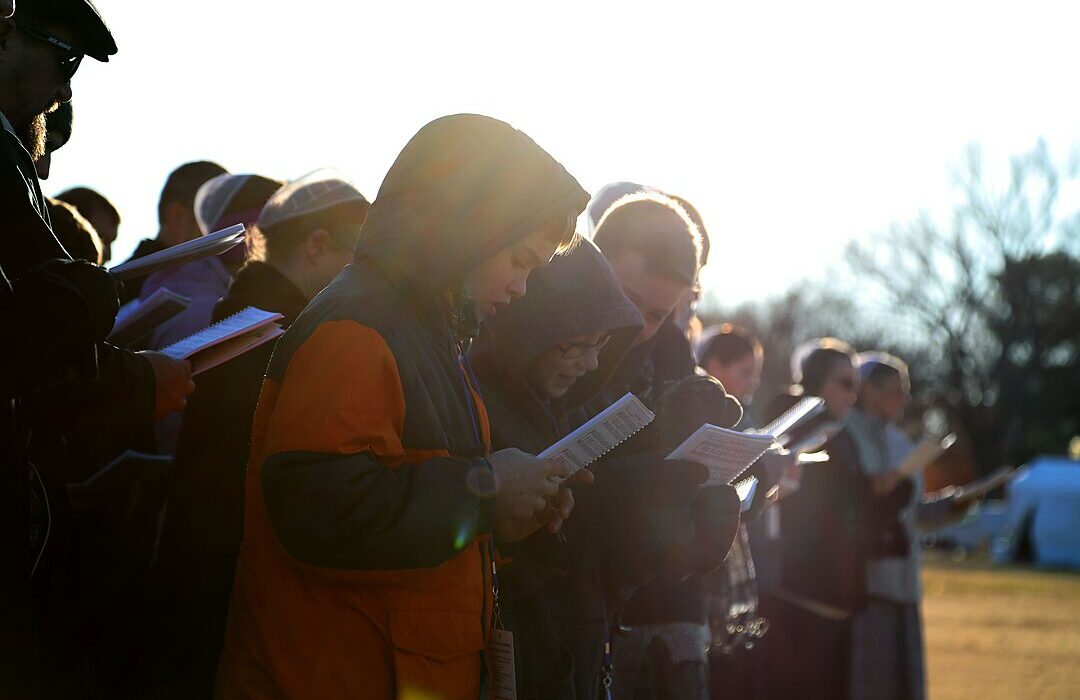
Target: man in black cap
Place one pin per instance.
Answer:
(55, 369)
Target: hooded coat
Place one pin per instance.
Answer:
(576, 295)
(368, 507)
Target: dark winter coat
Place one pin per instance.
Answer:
(577, 294)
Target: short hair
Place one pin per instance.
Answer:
(658, 228)
(342, 221)
(74, 232)
(89, 202)
(729, 343)
(878, 367)
(695, 216)
(184, 182)
(816, 365)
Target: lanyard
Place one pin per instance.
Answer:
(607, 670)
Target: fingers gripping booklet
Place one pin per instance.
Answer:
(226, 339)
(601, 434)
(727, 453)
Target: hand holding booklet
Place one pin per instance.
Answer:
(226, 339)
(601, 434)
(214, 243)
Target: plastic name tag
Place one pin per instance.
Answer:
(503, 675)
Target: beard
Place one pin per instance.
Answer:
(33, 136)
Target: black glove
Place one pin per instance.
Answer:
(640, 517)
(716, 520)
(77, 299)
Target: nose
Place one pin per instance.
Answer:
(590, 360)
(64, 93)
(516, 288)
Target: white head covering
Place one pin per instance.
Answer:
(213, 199)
(866, 361)
(607, 196)
(313, 192)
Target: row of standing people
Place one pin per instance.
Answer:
(393, 517)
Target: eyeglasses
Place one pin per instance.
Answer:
(574, 351)
(70, 58)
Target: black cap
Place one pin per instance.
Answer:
(89, 35)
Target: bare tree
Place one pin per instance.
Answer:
(956, 293)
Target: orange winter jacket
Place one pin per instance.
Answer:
(368, 506)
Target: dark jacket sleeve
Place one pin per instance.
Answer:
(59, 309)
(340, 488)
(354, 512)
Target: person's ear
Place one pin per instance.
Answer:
(317, 243)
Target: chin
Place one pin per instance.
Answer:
(557, 393)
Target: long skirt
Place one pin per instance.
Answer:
(887, 652)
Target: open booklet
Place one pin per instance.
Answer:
(226, 339)
(214, 243)
(601, 434)
(727, 453)
(807, 408)
(979, 488)
(924, 454)
(137, 319)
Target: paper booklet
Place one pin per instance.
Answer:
(727, 453)
(817, 439)
(214, 243)
(226, 339)
(601, 434)
(804, 410)
(925, 453)
(137, 319)
(981, 487)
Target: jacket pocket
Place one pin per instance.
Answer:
(436, 653)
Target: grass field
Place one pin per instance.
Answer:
(1001, 633)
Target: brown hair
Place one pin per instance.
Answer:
(74, 232)
(658, 228)
(89, 201)
(729, 343)
(184, 182)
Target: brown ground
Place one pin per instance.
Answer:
(1001, 633)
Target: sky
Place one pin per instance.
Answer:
(793, 127)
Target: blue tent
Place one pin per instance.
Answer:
(1044, 515)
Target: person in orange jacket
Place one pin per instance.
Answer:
(373, 506)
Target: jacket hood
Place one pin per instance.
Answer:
(577, 294)
(463, 188)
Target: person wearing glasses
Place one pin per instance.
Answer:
(537, 361)
(838, 520)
